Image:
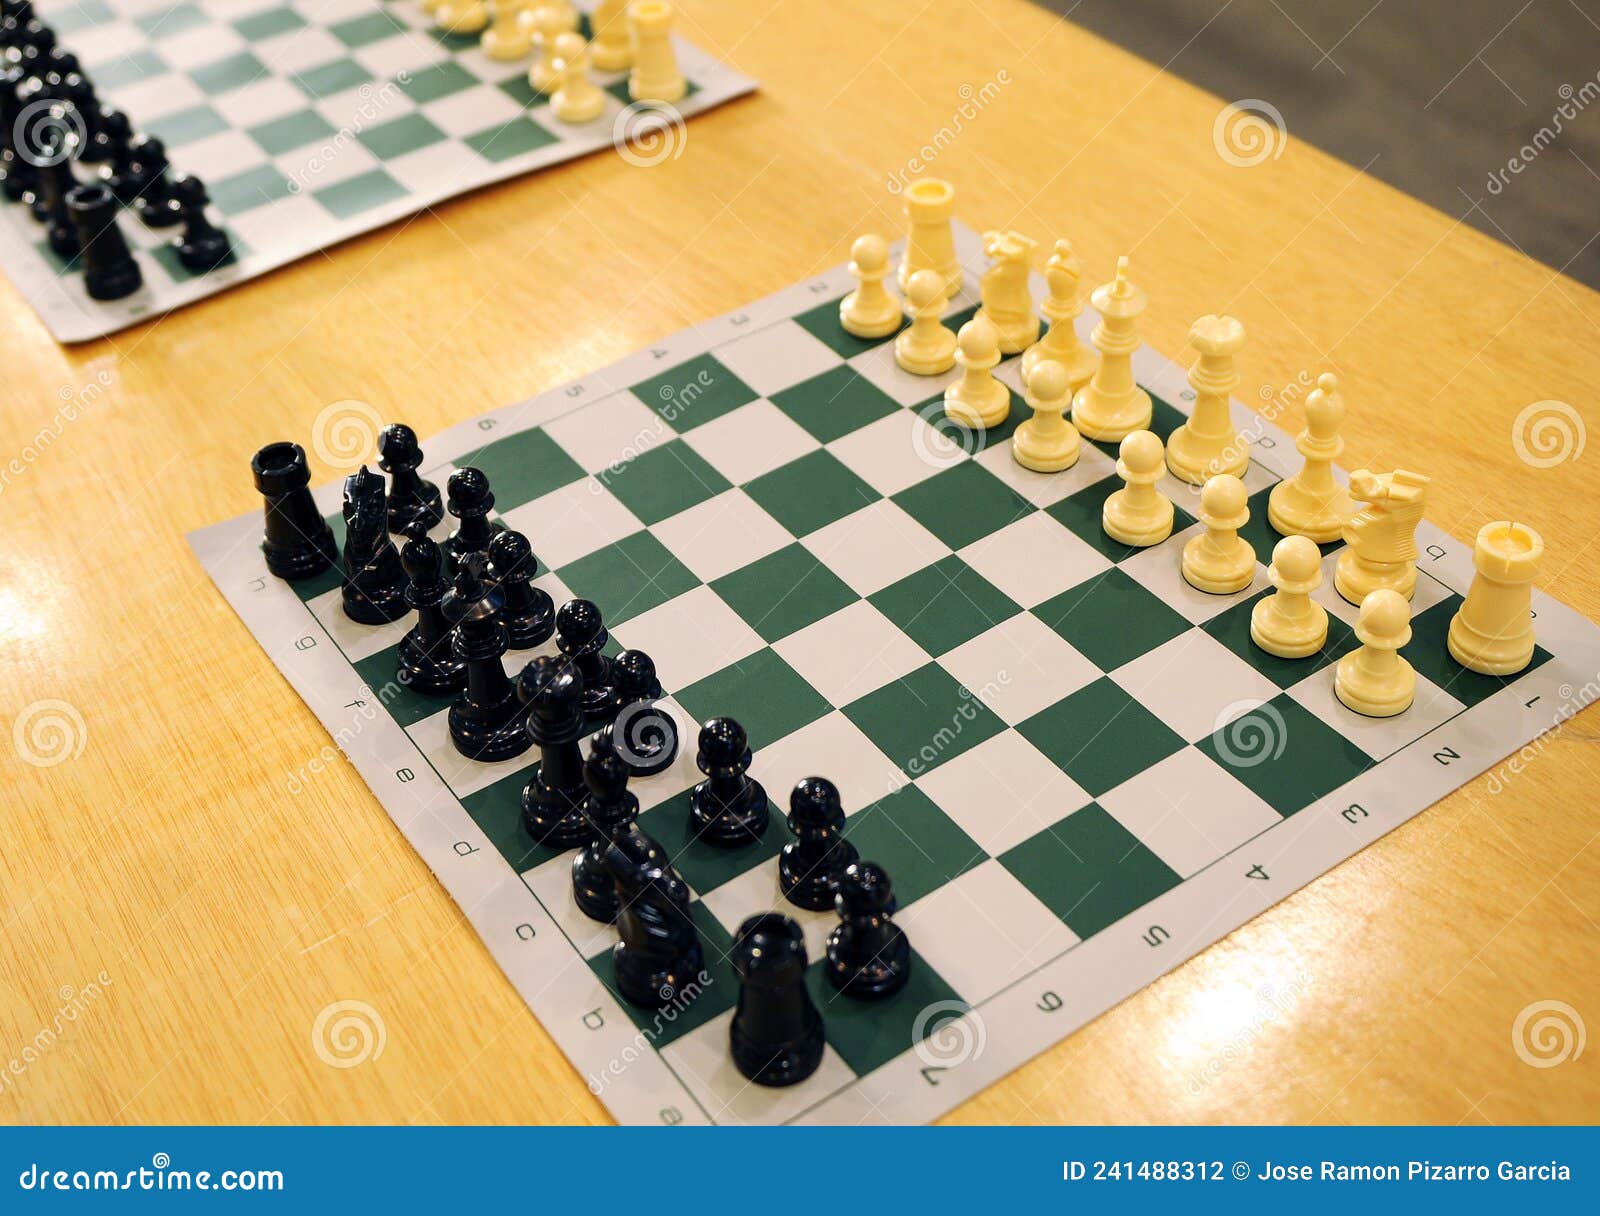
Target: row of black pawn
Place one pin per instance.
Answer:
(51, 119)
(620, 874)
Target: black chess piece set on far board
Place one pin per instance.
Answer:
(52, 120)
(474, 600)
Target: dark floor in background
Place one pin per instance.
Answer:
(1439, 98)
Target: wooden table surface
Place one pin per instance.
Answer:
(224, 912)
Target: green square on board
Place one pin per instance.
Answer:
(292, 131)
(923, 719)
(763, 693)
(632, 576)
(523, 466)
(1307, 759)
(234, 72)
(783, 592)
(668, 478)
(835, 403)
(822, 323)
(963, 503)
(943, 605)
(1100, 736)
(811, 492)
(694, 392)
(356, 195)
(1111, 619)
(497, 810)
(1232, 629)
(868, 1034)
(392, 140)
(922, 848)
(1429, 653)
(705, 867)
(515, 138)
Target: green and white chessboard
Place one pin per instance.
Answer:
(311, 121)
(1076, 768)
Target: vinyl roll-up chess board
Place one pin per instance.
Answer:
(1077, 768)
(312, 121)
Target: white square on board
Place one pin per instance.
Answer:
(1034, 559)
(776, 357)
(463, 776)
(879, 367)
(1047, 489)
(701, 1058)
(834, 747)
(690, 636)
(1002, 792)
(897, 452)
(984, 930)
(721, 535)
(1194, 684)
(1378, 737)
(854, 651)
(751, 440)
(1019, 667)
(573, 522)
(608, 432)
(876, 546)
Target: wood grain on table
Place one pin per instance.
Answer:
(226, 912)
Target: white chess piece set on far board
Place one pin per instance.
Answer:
(629, 35)
(1074, 392)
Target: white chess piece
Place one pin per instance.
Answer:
(544, 23)
(508, 36)
(1219, 560)
(1312, 503)
(1112, 405)
(655, 75)
(1207, 444)
(612, 48)
(1063, 276)
(870, 311)
(1492, 631)
(1007, 302)
(1375, 680)
(1381, 538)
(577, 99)
(978, 399)
(926, 347)
(930, 245)
(1138, 514)
(1289, 623)
(1046, 442)
(461, 16)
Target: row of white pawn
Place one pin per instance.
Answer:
(629, 35)
(1492, 633)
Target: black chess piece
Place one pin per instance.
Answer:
(374, 588)
(18, 173)
(528, 611)
(202, 246)
(54, 180)
(487, 719)
(581, 635)
(79, 92)
(469, 499)
(868, 954)
(154, 201)
(809, 865)
(647, 735)
(552, 801)
(776, 1034)
(109, 269)
(121, 170)
(609, 808)
(729, 808)
(297, 541)
(659, 960)
(411, 499)
(425, 662)
(59, 66)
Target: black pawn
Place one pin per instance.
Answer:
(659, 960)
(486, 718)
(411, 499)
(425, 662)
(374, 589)
(202, 246)
(647, 735)
(609, 808)
(776, 1034)
(297, 541)
(729, 808)
(552, 801)
(80, 94)
(121, 169)
(868, 954)
(468, 498)
(154, 201)
(528, 611)
(581, 635)
(809, 865)
(109, 269)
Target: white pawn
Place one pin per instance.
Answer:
(461, 16)
(926, 347)
(655, 75)
(508, 36)
(870, 311)
(577, 99)
(1219, 560)
(977, 399)
(1289, 623)
(545, 25)
(613, 42)
(1139, 514)
(1047, 442)
(1063, 276)
(1312, 503)
(1375, 680)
